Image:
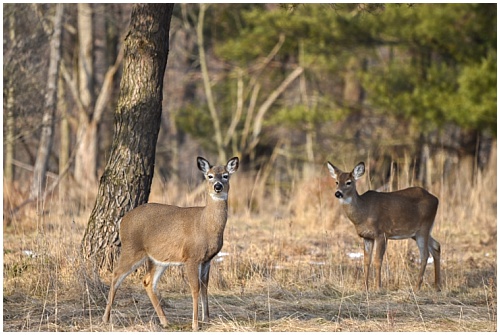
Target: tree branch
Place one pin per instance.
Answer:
(257, 127)
(107, 85)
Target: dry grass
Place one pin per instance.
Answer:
(287, 266)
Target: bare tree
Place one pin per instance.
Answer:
(8, 172)
(86, 137)
(45, 145)
(207, 86)
(127, 177)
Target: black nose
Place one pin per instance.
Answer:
(339, 194)
(218, 187)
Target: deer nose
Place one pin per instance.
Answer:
(339, 194)
(218, 187)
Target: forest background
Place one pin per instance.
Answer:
(410, 89)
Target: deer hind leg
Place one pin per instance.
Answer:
(435, 250)
(126, 265)
(423, 247)
(150, 281)
(204, 276)
(368, 249)
(193, 274)
(380, 245)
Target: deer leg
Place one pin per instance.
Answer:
(423, 246)
(435, 250)
(193, 273)
(368, 249)
(380, 244)
(126, 265)
(150, 282)
(204, 275)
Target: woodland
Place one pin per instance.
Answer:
(410, 89)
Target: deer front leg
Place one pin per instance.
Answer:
(367, 259)
(204, 275)
(193, 274)
(380, 245)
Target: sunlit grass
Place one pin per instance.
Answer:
(291, 265)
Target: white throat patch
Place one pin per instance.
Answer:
(219, 197)
(346, 201)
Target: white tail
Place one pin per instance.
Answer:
(163, 235)
(379, 216)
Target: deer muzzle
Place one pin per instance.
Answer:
(339, 195)
(218, 187)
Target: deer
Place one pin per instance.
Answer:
(382, 216)
(163, 235)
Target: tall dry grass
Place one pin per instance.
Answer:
(289, 262)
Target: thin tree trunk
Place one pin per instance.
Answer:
(65, 141)
(206, 83)
(45, 145)
(10, 130)
(87, 136)
(127, 177)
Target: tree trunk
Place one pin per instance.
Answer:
(45, 145)
(86, 140)
(127, 177)
(65, 137)
(206, 84)
(424, 167)
(10, 124)
(10, 130)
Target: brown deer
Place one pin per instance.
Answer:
(164, 235)
(379, 216)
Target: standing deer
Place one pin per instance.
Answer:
(164, 235)
(379, 216)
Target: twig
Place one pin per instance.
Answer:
(48, 190)
(414, 296)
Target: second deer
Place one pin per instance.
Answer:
(163, 235)
(379, 216)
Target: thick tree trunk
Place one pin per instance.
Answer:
(127, 177)
(45, 145)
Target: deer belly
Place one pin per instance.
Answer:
(400, 236)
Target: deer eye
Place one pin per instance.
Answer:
(210, 176)
(336, 183)
(348, 183)
(225, 176)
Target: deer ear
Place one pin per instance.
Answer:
(203, 164)
(333, 170)
(358, 171)
(232, 165)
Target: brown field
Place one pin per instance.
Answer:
(287, 265)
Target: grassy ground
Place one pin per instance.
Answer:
(290, 263)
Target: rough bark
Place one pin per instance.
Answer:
(127, 177)
(45, 145)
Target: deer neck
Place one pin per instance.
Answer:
(214, 215)
(354, 208)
